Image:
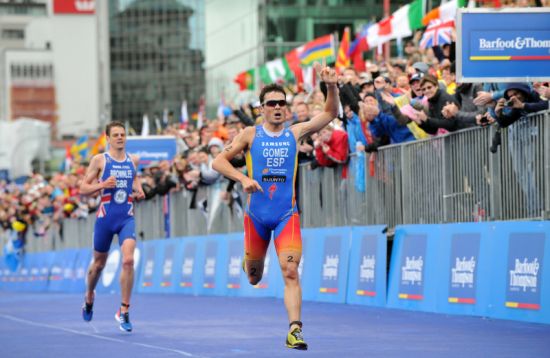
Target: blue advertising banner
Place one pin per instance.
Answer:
(326, 263)
(234, 265)
(415, 272)
(167, 261)
(367, 266)
(82, 260)
(489, 51)
(214, 266)
(520, 288)
(62, 271)
(525, 265)
(187, 274)
(152, 148)
(150, 267)
(463, 268)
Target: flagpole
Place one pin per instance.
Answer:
(387, 48)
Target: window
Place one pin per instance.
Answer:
(15, 34)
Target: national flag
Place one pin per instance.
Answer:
(343, 60)
(79, 149)
(437, 33)
(400, 24)
(184, 116)
(445, 12)
(357, 47)
(245, 80)
(309, 76)
(200, 114)
(276, 71)
(145, 126)
(67, 161)
(293, 62)
(317, 50)
(100, 144)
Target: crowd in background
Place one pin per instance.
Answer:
(392, 102)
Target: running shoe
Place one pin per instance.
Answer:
(295, 340)
(124, 321)
(87, 311)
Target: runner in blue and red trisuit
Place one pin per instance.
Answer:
(271, 162)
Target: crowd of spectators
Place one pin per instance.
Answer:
(392, 102)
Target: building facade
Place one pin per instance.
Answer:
(157, 58)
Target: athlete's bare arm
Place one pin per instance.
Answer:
(91, 185)
(221, 164)
(136, 185)
(301, 130)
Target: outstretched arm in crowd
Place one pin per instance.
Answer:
(302, 130)
(91, 185)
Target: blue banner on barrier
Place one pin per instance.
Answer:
(367, 266)
(463, 267)
(168, 260)
(234, 262)
(326, 264)
(82, 260)
(62, 271)
(151, 267)
(520, 278)
(212, 269)
(413, 268)
(187, 274)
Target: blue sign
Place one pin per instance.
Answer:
(463, 268)
(489, 51)
(234, 265)
(411, 278)
(188, 266)
(524, 274)
(168, 266)
(152, 148)
(148, 266)
(367, 266)
(331, 265)
(210, 257)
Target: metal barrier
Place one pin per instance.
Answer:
(450, 178)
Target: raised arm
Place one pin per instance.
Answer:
(91, 185)
(222, 165)
(301, 130)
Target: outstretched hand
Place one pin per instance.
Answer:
(327, 74)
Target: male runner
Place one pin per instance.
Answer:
(271, 156)
(113, 175)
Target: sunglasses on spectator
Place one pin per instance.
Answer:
(273, 103)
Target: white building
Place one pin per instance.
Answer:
(54, 63)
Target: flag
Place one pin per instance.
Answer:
(129, 129)
(79, 149)
(145, 126)
(67, 161)
(400, 24)
(317, 50)
(100, 144)
(245, 80)
(445, 12)
(184, 117)
(275, 71)
(158, 126)
(343, 60)
(293, 62)
(437, 33)
(165, 118)
(308, 74)
(200, 114)
(357, 47)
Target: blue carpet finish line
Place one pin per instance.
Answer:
(50, 326)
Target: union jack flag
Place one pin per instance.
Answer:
(437, 33)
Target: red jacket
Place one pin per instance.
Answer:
(338, 150)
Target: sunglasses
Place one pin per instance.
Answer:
(273, 103)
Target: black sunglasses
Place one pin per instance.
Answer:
(273, 103)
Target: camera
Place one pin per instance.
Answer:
(508, 103)
(484, 119)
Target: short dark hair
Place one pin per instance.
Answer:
(111, 125)
(271, 88)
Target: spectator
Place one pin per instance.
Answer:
(331, 147)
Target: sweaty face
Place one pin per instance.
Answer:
(274, 114)
(117, 138)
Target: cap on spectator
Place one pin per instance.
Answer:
(215, 142)
(415, 77)
(421, 67)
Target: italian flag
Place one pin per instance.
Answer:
(245, 80)
(400, 24)
(445, 12)
(276, 71)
